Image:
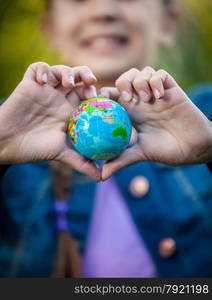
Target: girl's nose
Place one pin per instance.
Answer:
(105, 10)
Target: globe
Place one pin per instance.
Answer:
(99, 129)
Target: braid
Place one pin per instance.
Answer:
(67, 261)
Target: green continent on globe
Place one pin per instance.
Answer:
(120, 131)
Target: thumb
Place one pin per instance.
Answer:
(128, 157)
(80, 163)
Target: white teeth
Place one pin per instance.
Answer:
(103, 42)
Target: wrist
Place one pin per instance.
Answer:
(4, 151)
(206, 155)
(201, 150)
(8, 132)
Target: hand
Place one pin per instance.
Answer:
(170, 128)
(34, 119)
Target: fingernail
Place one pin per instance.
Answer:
(89, 75)
(71, 80)
(125, 96)
(93, 92)
(94, 77)
(157, 94)
(144, 96)
(44, 77)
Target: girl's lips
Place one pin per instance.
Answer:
(105, 44)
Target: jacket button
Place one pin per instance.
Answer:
(167, 247)
(139, 186)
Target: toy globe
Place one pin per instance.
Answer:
(100, 129)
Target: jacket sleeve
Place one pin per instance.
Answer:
(3, 216)
(3, 169)
(202, 98)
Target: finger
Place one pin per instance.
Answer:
(80, 93)
(80, 163)
(125, 86)
(73, 98)
(52, 80)
(109, 93)
(65, 76)
(160, 81)
(85, 92)
(141, 84)
(167, 79)
(157, 83)
(89, 92)
(128, 157)
(85, 75)
(38, 72)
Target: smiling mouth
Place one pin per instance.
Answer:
(105, 44)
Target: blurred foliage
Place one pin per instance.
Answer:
(22, 43)
(190, 62)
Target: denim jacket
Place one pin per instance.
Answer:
(177, 206)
